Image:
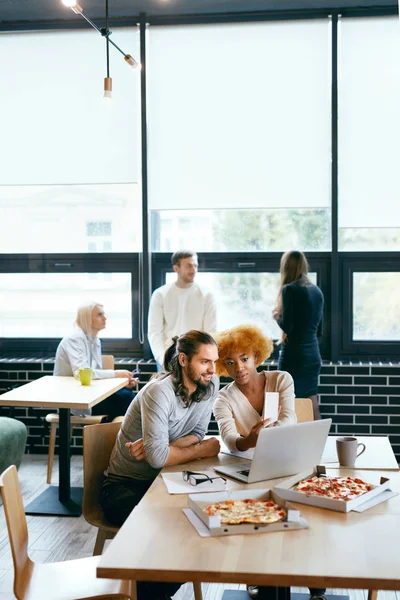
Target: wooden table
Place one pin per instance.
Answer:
(354, 550)
(378, 454)
(63, 393)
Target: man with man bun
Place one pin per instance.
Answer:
(165, 425)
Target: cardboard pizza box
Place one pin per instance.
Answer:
(285, 490)
(199, 502)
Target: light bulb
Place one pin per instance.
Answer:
(131, 61)
(73, 5)
(107, 89)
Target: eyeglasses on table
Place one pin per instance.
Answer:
(195, 478)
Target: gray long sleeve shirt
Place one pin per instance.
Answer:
(159, 417)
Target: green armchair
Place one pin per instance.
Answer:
(13, 436)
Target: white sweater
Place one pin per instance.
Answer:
(236, 416)
(174, 311)
(77, 351)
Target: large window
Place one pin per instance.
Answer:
(247, 154)
(243, 298)
(44, 305)
(370, 307)
(67, 159)
(239, 136)
(369, 134)
(376, 306)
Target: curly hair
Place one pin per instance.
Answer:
(243, 338)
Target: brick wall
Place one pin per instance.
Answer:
(361, 399)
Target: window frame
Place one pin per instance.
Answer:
(74, 263)
(336, 268)
(263, 262)
(354, 262)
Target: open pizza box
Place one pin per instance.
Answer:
(285, 490)
(199, 502)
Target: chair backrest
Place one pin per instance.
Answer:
(17, 528)
(98, 442)
(304, 409)
(107, 361)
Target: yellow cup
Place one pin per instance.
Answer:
(85, 376)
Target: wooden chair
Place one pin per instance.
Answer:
(304, 409)
(107, 361)
(98, 442)
(73, 579)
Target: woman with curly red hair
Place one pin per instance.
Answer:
(240, 404)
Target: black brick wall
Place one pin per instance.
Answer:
(361, 399)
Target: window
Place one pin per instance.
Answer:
(69, 160)
(44, 305)
(376, 306)
(243, 298)
(246, 155)
(369, 134)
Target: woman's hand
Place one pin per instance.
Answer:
(133, 381)
(250, 440)
(136, 449)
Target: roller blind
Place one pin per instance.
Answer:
(239, 115)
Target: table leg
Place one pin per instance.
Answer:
(61, 501)
(64, 464)
(273, 593)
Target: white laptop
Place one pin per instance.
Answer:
(282, 451)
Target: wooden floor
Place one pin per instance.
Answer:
(61, 538)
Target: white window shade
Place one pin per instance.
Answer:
(369, 124)
(56, 128)
(239, 116)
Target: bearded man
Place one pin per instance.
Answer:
(164, 425)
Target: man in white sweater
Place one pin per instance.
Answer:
(178, 307)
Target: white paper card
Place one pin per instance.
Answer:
(271, 406)
(246, 454)
(176, 485)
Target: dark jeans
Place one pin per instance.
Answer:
(115, 405)
(119, 497)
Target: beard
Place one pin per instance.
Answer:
(195, 378)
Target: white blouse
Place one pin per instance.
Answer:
(236, 416)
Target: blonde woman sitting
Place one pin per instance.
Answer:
(239, 405)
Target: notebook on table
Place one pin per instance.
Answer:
(282, 451)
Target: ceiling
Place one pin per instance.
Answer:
(23, 13)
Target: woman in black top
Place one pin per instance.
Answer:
(299, 314)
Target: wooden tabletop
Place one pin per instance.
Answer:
(353, 550)
(62, 392)
(378, 454)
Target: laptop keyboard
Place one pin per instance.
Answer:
(245, 473)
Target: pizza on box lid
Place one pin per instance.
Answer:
(339, 493)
